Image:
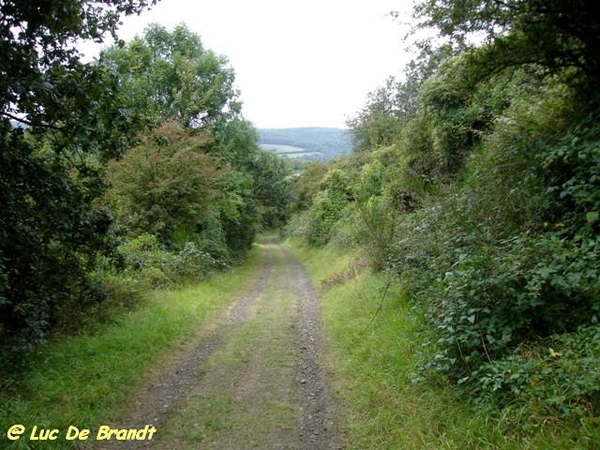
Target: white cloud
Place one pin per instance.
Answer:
(308, 63)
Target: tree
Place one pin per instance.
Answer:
(271, 188)
(377, 123)
(167, 184)
(171, 76)
(51, 172)
(390, 107)
(556, 34)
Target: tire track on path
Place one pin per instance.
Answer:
(318, 418)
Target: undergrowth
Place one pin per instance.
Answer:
(376, 340)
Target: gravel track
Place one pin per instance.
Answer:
(315, 409)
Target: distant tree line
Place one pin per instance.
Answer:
(331, 142)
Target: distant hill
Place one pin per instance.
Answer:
(312, 144)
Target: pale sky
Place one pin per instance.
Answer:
(297, 63)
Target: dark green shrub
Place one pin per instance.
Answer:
(494, 299)
(561, 375)
(374, 229)
(572, 169)
(50, 237)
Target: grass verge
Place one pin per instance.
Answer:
(374, 342)
(86, 380)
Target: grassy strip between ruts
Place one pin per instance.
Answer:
(372, 357)
(85, 381)
(246, 397)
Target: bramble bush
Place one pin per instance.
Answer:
(561, 375)
(146, 259)
(500, 291)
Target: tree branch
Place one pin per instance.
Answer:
(28, 123)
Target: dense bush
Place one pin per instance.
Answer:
(60, 120)
(50, 236)
(328, 206)
(511, 264)
(165, 185)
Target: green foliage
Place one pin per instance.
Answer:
(148, 262)
(560, 377)
(328, 206)
(371, 182)
(271, 188)
(193, 264)
(491, 302)
(145, 260)
(555, 34)
(50, 174)
(166, 183)
(235, 142)
(572, 167)
(490, 286)
(375, 228)
(377, 124)
(170, 187)
(391, 107)
(171, 76)
(221, 196)
(196, 190)
(305, 185)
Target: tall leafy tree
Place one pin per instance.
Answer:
(377, 123)
(166, 184)
(271, 188)
(51, 172)
(171, 76)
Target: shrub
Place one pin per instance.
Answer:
(495, 298)
(166, 184)
(192, 264)
(329, 205)
(561, 375)
(374, 228)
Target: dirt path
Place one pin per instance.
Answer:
(254, 380)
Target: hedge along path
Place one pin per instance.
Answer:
(254, 380)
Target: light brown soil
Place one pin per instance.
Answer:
(263, 358)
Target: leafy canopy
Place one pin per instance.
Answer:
(553, 33)
(171, 76)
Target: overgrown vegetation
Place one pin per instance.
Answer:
(132, 172)
(375, 342)
(476, 183)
